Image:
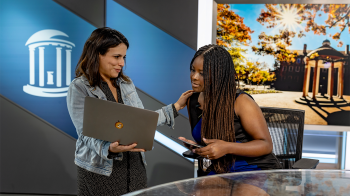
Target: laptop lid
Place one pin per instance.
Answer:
(111, 121)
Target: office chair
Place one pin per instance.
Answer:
(286, 128)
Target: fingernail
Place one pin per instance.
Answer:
(193, 151)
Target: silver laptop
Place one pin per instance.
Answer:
(111, 121)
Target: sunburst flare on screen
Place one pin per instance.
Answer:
(288, 18)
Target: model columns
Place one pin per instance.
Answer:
(315, 80)
(318, 80)
(341, 80)
(306, 78)
(330, 81)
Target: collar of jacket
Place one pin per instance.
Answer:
(86, 82)
(96, 90)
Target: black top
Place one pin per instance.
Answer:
(268, 161)
(109, 95)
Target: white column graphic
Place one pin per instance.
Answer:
(41, 66)
(49, 82)
(50, 77)
(32, 66)
(68, 67)
(58, 66)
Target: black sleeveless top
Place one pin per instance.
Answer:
(268, 161)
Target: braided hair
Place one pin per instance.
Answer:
(219, 96)
(99, 42)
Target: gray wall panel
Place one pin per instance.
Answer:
(178, 18)
(182, 125)
(163, 166)
(36, 157)
(92, 11)
(215, 13)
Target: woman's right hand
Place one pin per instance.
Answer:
(116, 148)
(190, 147)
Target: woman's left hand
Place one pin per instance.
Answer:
(181, 103)
(214, 149)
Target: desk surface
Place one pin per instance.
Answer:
(268, 182)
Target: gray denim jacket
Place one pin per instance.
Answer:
(91, 154)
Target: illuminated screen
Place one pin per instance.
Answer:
(291, 56)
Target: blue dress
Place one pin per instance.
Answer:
(242, 163)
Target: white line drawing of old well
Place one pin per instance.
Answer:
(37, 43)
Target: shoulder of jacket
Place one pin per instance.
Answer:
(77, 82)
(131, 83)
(81, 81)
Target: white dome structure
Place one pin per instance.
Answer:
(45, 87)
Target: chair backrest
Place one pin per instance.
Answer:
(286, 128)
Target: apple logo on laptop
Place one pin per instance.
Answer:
(119, 125)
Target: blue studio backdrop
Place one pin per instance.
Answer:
(35, 36)
(41, 43)
(157, 63)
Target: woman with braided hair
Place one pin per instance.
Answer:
(228, 123)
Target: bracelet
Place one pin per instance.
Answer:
(176, 114)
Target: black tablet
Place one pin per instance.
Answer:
(195, 145)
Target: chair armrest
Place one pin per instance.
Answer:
(306, 164)
(190, 154)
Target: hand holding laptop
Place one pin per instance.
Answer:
(115, 147)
